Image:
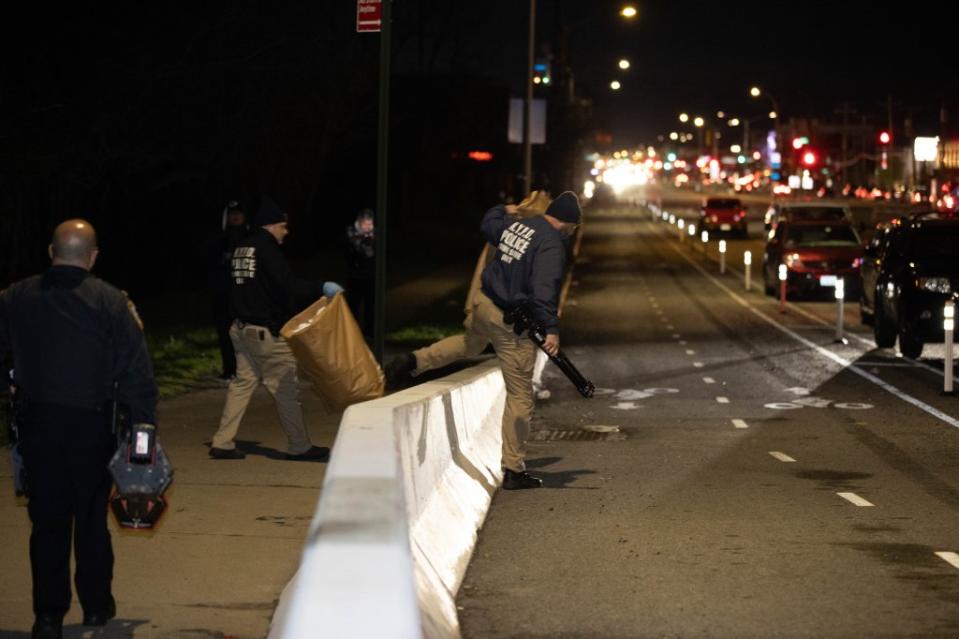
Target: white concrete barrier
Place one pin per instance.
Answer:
(407, 488)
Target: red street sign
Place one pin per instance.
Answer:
(368, 15)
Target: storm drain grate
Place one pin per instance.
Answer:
(552, 435)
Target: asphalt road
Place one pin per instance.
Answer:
(739, 474)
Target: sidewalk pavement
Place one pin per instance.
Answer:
(232, 537)
(225, 549)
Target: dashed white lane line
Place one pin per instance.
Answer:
(949, 557)
(697, 364)
(856, 500)
(722, 400)
(683, 342)
(670, 327)
(709, 380)
(783, 457)
(842, 361)
(739, 423)
(676, 335)
(689, 351)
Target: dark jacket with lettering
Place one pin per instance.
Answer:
(72, 336)
(528, 265)
(264, 290)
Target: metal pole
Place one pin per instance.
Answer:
(948, 325)
(704, 236)
(840, 309)
(382, 172)
(783, 274)
(748, 263)
(722, 257)
(681, 225)
(528, 105)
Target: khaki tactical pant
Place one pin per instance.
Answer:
(263, 359)
(517, 357)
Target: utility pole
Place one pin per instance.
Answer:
(382, 172)
(528, 105)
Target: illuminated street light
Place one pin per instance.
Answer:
(674, 136)
(773, 115)
(683, 117)
(755, 92)
(615, 85)
(735, 149)
(734, 122)
(629, 12)
(720, 114)
(624, 64)
(699, 122)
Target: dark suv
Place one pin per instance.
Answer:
(909, 271)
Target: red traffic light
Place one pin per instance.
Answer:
(885, 138)
(809, 158)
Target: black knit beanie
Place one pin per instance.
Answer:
(269, 212)
(565, 208)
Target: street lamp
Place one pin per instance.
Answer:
(615, 85)
(683, 117)
(755, 92)
(629, 12)
(624, 64)
(699, 122)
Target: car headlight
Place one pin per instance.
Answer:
(792, 260)
(935, 284)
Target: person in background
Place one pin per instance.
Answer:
(234, 228)
(361, 262)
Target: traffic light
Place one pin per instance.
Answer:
(809, 158)
(885, 137)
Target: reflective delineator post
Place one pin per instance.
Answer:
(782, 287)
(748, 263)
(704, 236)
(948, 325)
(682, 229)
(692, 231)
(672, 219)
(840, 309)
(722, 257)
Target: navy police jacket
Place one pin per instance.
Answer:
(528, 266)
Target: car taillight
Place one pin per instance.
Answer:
(856, 263)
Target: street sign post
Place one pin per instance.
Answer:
(369, 16)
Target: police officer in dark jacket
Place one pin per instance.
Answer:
(361, 260)
(75, 347)
(234, 229)
(527, 270)
(265, 294)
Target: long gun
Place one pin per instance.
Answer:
(522, 320)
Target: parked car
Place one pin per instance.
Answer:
(869, 270)
(725, 215)
(815, 254)
(805, 212)
(916, 271)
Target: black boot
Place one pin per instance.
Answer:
(513, 480)
(399, 371)
(47, 626)
(100, 617)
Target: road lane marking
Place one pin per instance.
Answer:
(683, 342)
(697, 364)
(690, 351)
(676, 335)
(722, 400)
(709, 380)
(739, 423)
(783, 457)
(626, 406)
(838, 359)
(856, 500)
(866, 342)
(950, 558)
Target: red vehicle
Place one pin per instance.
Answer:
(723, 215)
(815, 254)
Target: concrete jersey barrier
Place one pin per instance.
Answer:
(407, 488)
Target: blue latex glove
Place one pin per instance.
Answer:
(331, 288)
